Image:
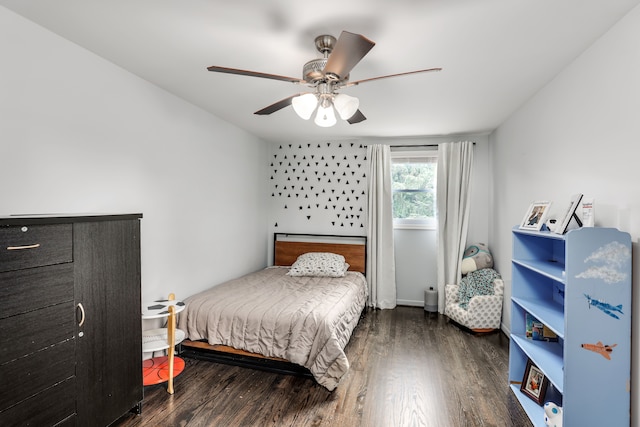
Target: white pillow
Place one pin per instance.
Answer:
(319, 264)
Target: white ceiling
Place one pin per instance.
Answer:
(495, 54)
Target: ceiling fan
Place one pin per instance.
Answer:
(326, 76)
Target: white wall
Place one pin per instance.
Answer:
(318, 187)
(578, 134)
(80, 135)
(416, 264)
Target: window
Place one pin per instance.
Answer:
(413, 182)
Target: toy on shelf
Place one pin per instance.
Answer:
(552, 415)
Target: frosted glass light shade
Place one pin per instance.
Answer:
(346, 105)
(304, 105)
(325, 117)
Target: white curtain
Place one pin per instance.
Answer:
(381, 269)
(455, 160)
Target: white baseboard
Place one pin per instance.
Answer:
(409, 302)
(505, 329)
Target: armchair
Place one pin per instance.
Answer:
(483, 313)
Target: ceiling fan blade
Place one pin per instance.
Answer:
(391, 75)
(356, 118)
(217, 69)
(276, 106)
(349, 50)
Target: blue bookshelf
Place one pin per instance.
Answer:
(579, 285)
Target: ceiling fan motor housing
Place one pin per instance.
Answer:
(313, 71)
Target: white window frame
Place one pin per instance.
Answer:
(415, 224)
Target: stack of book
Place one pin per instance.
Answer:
(536, 330)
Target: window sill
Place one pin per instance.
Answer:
(415, 227)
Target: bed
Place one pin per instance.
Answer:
(273, 320)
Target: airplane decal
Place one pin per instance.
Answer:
(605, 307)
(602, 349)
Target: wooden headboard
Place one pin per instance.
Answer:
(285, 252)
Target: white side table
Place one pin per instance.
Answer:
(155, 370)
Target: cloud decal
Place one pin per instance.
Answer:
(609, 275)
(614, 254)
(606, 262)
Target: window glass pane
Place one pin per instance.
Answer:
(414, 205)
(413, 185)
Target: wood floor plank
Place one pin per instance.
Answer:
(408, 368)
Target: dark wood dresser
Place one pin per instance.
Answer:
(70, 333)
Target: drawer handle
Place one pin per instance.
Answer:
(81, 314)
(17, 248)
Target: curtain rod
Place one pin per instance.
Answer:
(417, 145)
(411, 146)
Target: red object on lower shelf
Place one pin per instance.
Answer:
(156, 370)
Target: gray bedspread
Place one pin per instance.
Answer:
(306, 320)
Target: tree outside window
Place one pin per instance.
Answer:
(413, 177)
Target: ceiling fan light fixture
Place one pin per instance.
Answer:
(346, 105)
(305, 105)
(325, 117)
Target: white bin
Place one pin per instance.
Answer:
(431, 300)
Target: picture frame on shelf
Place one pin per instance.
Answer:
(562, 224)
(536, 216)
(534, 383)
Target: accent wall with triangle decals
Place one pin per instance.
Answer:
(319, 187)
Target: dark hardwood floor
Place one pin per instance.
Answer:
(408, 368)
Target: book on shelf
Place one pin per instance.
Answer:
(538, 331)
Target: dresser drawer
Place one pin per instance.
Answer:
(29, 375)
(47, 408)
(35, 245)
(36, 330)
(27, 290)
